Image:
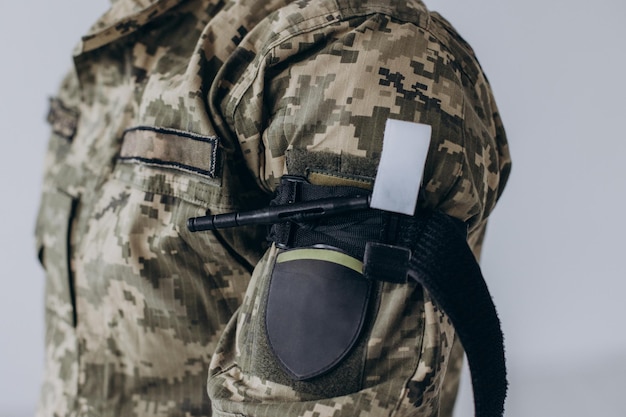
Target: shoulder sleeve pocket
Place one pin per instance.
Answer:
(325, 296)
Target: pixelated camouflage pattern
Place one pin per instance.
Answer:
(135, 304)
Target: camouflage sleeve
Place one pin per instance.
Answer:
(331, 90)
(314, 102)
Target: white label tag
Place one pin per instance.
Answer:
(401, 166)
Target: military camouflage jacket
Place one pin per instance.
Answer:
(177, 107)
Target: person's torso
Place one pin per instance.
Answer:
(143, 140)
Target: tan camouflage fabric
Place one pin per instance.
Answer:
(177, 107)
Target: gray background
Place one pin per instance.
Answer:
(554, 255)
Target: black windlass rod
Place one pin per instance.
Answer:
(278, 214)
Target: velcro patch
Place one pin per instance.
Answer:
(62, 119)
(184, 151)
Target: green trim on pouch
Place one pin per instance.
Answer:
(322, 255)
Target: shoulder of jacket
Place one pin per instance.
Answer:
(449, 38)
(411, 11)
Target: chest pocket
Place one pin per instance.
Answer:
(194, 173)
(173, 163)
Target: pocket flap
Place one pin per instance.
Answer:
(170, 148)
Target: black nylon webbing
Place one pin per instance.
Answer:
(446, 267)
(348, 231)
(441, 261)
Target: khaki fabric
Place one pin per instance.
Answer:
(177, 107)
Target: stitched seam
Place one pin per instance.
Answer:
(176, 132)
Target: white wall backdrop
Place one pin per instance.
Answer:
(555, 252)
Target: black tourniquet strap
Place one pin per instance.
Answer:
(445, 266)
(348, 231)
(430, 247)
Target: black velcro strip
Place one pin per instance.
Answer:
(444, 264)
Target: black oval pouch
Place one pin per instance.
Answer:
(316, 307)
